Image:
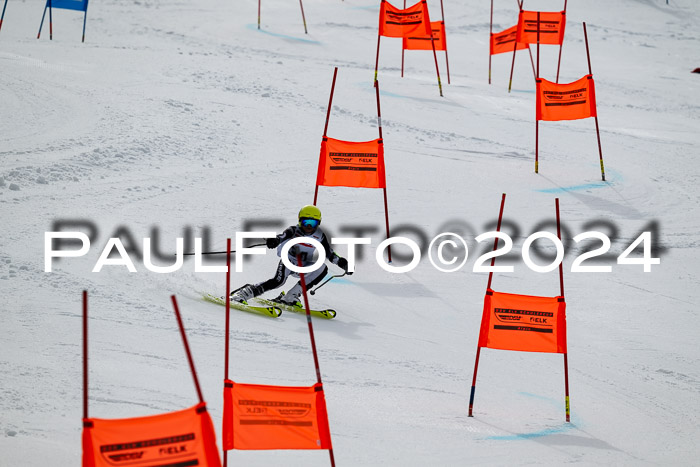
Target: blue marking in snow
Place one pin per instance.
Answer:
(540, 433)
(586, 186)
(283, 36)
(612, 177)
(534, 434)
(338, 280)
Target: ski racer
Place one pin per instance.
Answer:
(308, 226)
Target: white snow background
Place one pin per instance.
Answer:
(179, 116)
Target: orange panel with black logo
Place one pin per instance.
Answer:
(523, 322)
(352, 164)
(502, 42)
(570, 101)
(394, 22)
(182, 438)
(551, 27)
(422, 42)
(275, 417)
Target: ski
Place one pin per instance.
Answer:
(272, 309)
(325, 314)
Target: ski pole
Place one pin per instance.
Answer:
(222, 252)
(313, 292)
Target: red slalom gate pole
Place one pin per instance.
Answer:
(562, 42)
(537, 122)
(402, 49)
(447, 62)
(597, 129)
(437, 69)
(259, 13)
(85, 356)
(567, 406)
(328, 116)
(381, 141)
(313, 340)
(561, 265)
(495, 242)
(330, 101)
(228, 323)
(476, 368)
(228, 306)
(376, 63)
(515, 48)
(3, 13)
(490, 39)
(187, 349)
(488, 291)
(303, 18)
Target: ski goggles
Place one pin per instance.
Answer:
(313, 223)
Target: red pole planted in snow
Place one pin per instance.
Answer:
(566, 387)
(561, 264)
(228, 305)
(50, 21)
(402, 49)
(562, 42)
(381, 141)
(471, 394)
(567, 407)
(259, 13)
(537, 144)
(309, 323)
(85, 355)
(330, 101)
(488, 292)
(537, 122)
(303, 17)
(376, 63)
(432, 42)
(532, 61)
(437, 69)
(3, 13)
(302, 279)
(515, 48)
(328, 116)
(228, 321)
(490, 39)
(447, 62)
(187, 349)
(495, 242)
(597, 129)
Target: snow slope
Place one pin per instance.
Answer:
(179, 118)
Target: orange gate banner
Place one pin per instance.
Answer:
(565, 101)
(523, 322)
(394, 22)
(185, 437)
(552, 25)
(352, 164)
(502, 42)
(275, 417)
(419, 42)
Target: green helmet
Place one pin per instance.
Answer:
(310, 212)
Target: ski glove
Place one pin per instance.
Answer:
(343, 264)
(272, 242)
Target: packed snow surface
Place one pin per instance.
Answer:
(180, 118)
